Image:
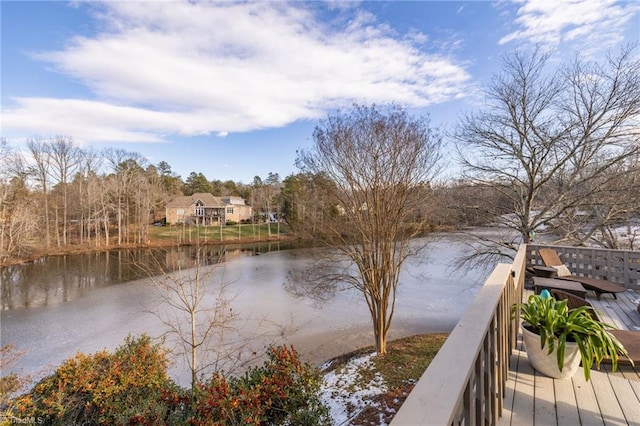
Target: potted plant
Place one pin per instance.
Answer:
(557, 338)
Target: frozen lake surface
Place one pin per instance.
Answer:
(431, 298)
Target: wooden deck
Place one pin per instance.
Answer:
(609, 398)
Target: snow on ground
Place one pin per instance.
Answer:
(346, 393)
(628, 235)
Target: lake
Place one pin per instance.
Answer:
(57, 306)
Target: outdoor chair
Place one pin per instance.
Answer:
(574, 302)
(599, 287)
(630, 339)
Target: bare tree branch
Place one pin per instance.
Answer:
(378, 165)
(553, 144)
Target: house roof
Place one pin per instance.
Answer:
(233, 200)
(207, 199)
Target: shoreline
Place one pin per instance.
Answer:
(321, 347)
(79, 249)
(38, 253)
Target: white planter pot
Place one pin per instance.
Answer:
(547, 364)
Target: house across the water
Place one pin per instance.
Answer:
(204, 209)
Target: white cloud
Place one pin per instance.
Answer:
(212, 68)
(589, 24)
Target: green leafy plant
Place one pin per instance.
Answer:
(557, 324)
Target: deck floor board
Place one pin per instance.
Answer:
(609, 398)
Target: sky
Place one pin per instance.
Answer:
(234, 89)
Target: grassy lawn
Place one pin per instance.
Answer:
(183, 234)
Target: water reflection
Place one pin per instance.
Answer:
(57, 279)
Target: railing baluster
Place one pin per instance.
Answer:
(480, 347)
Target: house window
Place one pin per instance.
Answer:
(229, 210)
(199, 211)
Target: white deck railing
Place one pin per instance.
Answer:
(465, 382)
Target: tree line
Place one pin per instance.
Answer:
(55, 194)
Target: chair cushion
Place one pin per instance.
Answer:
(563, 271)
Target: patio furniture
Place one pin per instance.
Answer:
(574, 288)
(574, 302)
(551, 259)
(544, 271)
(630, 339)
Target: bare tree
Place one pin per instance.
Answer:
(39, 150)
(195, 306)
(545, 140)
(607, 220)
(88, 217)
(64, 159)
(379, 161)
(21, 226)
(124, 182)
(5, 192)
(195, 326)
(12, 192)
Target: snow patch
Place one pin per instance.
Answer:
(344, 391)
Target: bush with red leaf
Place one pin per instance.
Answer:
(131, 387)
(281, 391)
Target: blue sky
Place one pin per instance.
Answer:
(232, 90)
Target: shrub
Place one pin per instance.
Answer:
(129, 386)
(11, 382)
(281, 391)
